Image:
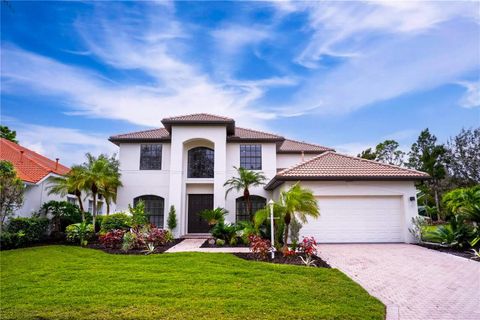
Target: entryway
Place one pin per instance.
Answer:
(196, 204)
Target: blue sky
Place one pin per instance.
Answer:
(342, 74)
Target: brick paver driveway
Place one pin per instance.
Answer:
(413, 282)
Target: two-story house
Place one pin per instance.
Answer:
(186, 163)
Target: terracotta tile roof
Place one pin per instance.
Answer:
(201, 117)
(160, 134)
(31, 166)
(249, 134)
(293, 146)
(333, 166)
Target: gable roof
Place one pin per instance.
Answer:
(253, 135)
(30, 166)
(333, 166)
(293, 146)
(199, 119)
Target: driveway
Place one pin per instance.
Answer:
(413, 282)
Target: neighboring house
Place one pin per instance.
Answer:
(36, 171)
(186, 163)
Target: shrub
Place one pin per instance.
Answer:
(80, 233)
(112, 239)
(245, 229)
(172, 219)
(63, 214)
(260, 247)
(220, 242)
(129, 241)
(116, 221)
(21, 232)
(214, 216)
(308, 246)
(157, 236)
(224, 231)
(139, 217)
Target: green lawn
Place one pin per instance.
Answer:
(64, 282)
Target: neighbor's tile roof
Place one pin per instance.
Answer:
(249, 134)
(31, 166)
(288, 146)
(333, 165)
(197, 117)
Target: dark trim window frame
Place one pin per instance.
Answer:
(201, 162)
(258, 203)
(154, 208)
(251, 156)
(151, 156)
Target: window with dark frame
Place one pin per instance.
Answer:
(151, 157)
(257, 203)
(154, 208)
(251, 156)
(200, 162)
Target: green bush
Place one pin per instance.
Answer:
(64, 214)
(21, 232)
(224, 231)
(80, 233)
(172, 219)
(116, 221)
(139, 218)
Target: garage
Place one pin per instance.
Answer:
(357, 219)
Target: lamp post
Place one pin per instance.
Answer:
(272, 236)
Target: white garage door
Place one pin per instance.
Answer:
(357, 219)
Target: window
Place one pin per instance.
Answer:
(200, 162)
(151, 157)
(154, 208)
(257, 203)
(72, 200)
(251, 156)
(90, 206)
(99, 207)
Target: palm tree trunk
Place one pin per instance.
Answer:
(80, 204)
(94, 213)
(108, 206)
(248, 206)
(287, 220)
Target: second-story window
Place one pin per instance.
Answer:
(200, 162)
(151, 157)
(251, 156)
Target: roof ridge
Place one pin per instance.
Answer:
(310, 144)
(200, 113)
(380, 163)
(273, 134)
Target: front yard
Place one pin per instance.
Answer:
(60, 282)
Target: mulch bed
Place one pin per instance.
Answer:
(226, 245)
(280, 259)
(159, 249)
(457, 252)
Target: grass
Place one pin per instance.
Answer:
(65, 282)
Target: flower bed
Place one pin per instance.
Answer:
(134, 251)
(281, 259)
(207, 244)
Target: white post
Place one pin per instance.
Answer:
(272, 236)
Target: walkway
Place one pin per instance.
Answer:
(193, 245)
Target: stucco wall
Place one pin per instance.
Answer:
(289, 160)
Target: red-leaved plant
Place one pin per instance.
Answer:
(308, 246)
(112, 239)
(260, 247)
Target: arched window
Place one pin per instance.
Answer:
(200, 162)
(257, 204)
(154, 208)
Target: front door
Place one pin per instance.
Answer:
(196, 204)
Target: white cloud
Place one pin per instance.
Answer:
(70, 145)
(471, 98)
(232, 38)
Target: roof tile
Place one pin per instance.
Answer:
(289, 145)
(31, 166)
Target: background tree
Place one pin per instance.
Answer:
(245, 180)
(387, 152)
(11, 191)
(8, 134)
(368, 154)
(428, 156)
(463, 155)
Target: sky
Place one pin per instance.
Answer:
(347, 75)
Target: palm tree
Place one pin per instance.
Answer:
(213, 216)
(246, 179)
(98, 175)
(71, 183)
(109, 191)
(295, 203)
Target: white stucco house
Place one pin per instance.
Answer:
(186, 163)
(36, 172)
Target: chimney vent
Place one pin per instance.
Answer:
(21, 155)
(56, 164)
